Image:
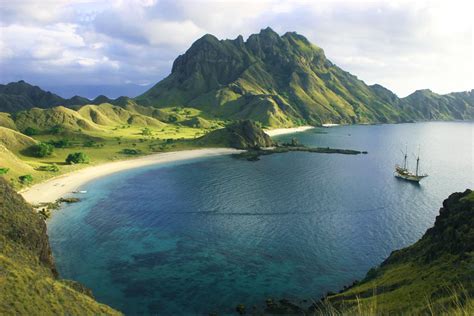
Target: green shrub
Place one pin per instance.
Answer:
(30, 131)
(50, 168)
(172, 118)
(76, 158)
(57, 129)
(41, 150)
(62, 143)
(146, 131)
(25, 179)
(44, 213)
(4, 170)
(128, 151)
(89, 143)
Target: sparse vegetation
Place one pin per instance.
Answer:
(51, 168)
(62, 143)
(128, 151)
(146, 132)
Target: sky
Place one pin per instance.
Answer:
(123, 47)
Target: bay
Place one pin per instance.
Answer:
(206, 235)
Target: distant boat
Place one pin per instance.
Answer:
(82, 191)
(402, 172)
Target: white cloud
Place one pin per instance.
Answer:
(404, 45)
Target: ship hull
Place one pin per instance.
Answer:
(412, 178)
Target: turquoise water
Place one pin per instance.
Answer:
(206, 235)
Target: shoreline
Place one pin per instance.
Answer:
(290, 130)
(55, 188)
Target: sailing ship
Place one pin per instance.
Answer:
(402, 172)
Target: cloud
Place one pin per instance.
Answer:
(404, 45)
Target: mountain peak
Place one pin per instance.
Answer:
(268, 30)
(207, 38)
(278, 81)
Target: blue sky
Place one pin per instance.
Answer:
(117, 48)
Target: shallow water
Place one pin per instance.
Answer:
(203, 236)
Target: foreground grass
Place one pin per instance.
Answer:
(433, 276)
(28, 279)
(458, 303)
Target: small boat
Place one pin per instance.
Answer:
(402, 172)
(81, 192)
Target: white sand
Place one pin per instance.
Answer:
(55, 188)
(281, 131)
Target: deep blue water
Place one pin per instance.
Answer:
(203, 236)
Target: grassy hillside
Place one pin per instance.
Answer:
(28, 280)
(285, 81)
(103, 132)
(433, 276)
(429, 105)
(14, 140)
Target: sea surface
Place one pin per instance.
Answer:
(206, 235)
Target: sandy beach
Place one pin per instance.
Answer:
(55, 188)
(281, 131)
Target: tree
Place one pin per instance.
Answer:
(89, 143)
(41, 150)
(57, 129)
(4, 170)
(172, 118)
(62, 143)
(128, 151)
(75, 158)
(26, 179)
(30, 131)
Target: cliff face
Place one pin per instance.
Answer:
(29, 283)
(241, 135)
(23, 228)
(434, 275)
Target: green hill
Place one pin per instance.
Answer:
(279, 81)
(425, 104)
(29, 284)
(46, 119)
(286, 80)
(197, 122)
(110, 115)
(84, 118)
(434, 276)
(242, 135)
(15, 166)
(15, 141)
(17, 96)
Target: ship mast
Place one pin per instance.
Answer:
(405, 160)
(417, 162)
